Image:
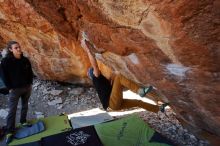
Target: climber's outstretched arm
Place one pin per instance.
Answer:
(88, 47)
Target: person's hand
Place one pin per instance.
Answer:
(83, 44)
(89, 48)
(89, 45)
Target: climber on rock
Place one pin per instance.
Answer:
(110, 89)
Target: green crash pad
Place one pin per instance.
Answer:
(129, 131)
(53, 124)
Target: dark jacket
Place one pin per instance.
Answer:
(16, 73)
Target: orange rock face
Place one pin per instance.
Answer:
(173, 45)
(53, 55)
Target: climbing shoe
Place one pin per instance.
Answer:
(144, 90)
(25, 124)
(9, 138)
(163, 106)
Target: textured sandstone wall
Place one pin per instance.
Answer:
(173, 45)
(53, 55)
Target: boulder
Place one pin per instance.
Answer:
(172, 45)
